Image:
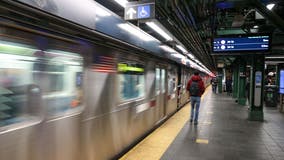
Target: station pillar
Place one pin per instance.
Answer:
(256, 86)
(235, 81)
(242, 82)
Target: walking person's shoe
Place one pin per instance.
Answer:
(191, 121)
(195, 123)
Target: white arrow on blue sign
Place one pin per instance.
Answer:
(131, 13)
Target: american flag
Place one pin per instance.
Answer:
(104, 64)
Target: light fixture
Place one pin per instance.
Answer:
(159, 30)
(121, 2)
(255, 26)
(178, 55)
(181, 48)
(190, 56)
(197, 61)
(192, 64)
(168, 49)
(270, 6)
(275, 57)
(136, 32)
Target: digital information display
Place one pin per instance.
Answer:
(233, 44)
(281, 88)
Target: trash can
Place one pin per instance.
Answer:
(270, 95)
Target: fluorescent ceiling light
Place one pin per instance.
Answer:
(100, 11)
(136, 32)
(274, 57)
(181, 48)
(196, 60)
(193, 64)
(168, 49)
(255, 26)
(159, 30)
(121, 2)
(190, 56)
(270, 6)
(177, 55)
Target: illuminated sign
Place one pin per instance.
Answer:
(242, 43)
(139, 10)
(281, 88)
(126, 68)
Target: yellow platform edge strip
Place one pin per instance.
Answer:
(156, 143)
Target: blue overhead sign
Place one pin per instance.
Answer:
(281, 88)
(139, 10)
(144, 11)
(239, 44)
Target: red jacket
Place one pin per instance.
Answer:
(200, 84)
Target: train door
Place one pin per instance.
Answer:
(59, 75)
(161, 91)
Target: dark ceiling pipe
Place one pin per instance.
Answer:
(194, 37)
(274, 18)
(186, 32)
(190, 15)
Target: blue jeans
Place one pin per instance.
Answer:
(214, 88)
(195, 103)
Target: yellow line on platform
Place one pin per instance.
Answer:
(154, 145)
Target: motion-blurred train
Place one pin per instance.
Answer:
(68, 96)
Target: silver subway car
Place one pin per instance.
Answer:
(65, 97)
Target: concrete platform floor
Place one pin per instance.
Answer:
(224, 133)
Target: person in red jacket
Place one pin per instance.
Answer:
(196, 88)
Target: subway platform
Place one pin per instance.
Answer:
(223, 133)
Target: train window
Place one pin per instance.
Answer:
(172, 82)
(163, 77)
(30, 78)
(172, 85)
(59, 74)
(185, 80)
(131, 79)
(157, 81)
(19, 97)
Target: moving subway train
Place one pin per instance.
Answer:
(77, 94)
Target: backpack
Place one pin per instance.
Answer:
(194, 88)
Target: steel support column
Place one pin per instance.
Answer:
(235, 80)
(242, 82)
(257, 80)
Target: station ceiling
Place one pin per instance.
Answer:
(195, 22)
